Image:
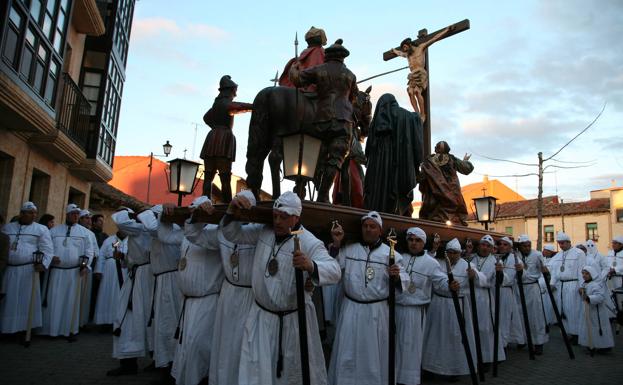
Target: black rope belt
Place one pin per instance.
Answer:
(20, 264)
(236, 284)
(568, 280)
(365, 302)
(279, 314)
(132, 274)
(180, 321)
(153, 295)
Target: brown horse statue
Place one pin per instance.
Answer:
(274, 116)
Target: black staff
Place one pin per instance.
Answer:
(472, 297)
(524, 309)
(547, 277)
(391, 239)
(118, 262)
(300, 303)
(496, 322)
(461, 321)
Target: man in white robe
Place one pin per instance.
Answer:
(511, 324)
(270, 353)
(485, 263)
(360, 350)
(234, 301)
(532, 268)
(166, 299)
(87, 289)
(548, 253)
(66, 277)
(20, 282)
(566, 274)
(112, 251)
(423, 270)
(443, 351)
(615, 263)
(131, 336)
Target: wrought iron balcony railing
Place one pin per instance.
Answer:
(73, 113)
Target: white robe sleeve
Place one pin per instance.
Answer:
(597, 294)
(46, 246)
(170, 234)
(202, 235)
(328, 269)
(245, 235)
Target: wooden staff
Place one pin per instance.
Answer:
(472, 297)
(524, 310)
(547, 277)
(461, 321)
(302, 317)
(37, 259)
(77, 297)
(496, 322)
(391, 375)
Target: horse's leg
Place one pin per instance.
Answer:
(274, 160)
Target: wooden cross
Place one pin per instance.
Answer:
(423, 37)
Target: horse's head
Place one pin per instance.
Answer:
(362, 111)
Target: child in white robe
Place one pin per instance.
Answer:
(595, 330)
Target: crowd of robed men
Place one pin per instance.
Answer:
(217, 303)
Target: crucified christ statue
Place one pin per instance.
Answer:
(418, 77)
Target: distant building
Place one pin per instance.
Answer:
(62, 66)
(132, 176)
(488, 186)
(599, 218)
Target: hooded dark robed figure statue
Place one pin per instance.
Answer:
(394, 151)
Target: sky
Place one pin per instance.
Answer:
(525, 78)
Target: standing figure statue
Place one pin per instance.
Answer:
(394, 151)
(311, 56)
(219, 148)
(440, 187)
(418, 77)
(336, 86)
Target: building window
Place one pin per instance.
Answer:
(91, 85)
(509, 230)
(619, 215)
(548, 231)
(6, 177)
(591, 231)
(39, 189)
(76, 196)
(33, 43)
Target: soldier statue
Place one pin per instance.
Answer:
(311, 56)
(336, 87)
(219, 148)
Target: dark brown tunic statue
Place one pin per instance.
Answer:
(219, 148)
(336, 86)
(439, 184)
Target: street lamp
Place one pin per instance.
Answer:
(166, 148)
(182, 177)
(300, 156)
(485, 210)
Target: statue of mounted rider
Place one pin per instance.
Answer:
(329, 107)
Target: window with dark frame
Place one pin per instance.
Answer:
(39, 190)
(619, 213)
(548, 232)
(591, 231)
(76, 196)
(33, 43)
(6, 177)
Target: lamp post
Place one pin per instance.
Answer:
(166, 148)
(182, 177)
(300, 156)
(485, 210)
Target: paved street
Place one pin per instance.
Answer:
(54, 361)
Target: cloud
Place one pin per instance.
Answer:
(160, 27)
(182, 89)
